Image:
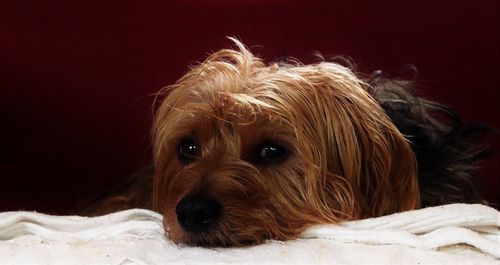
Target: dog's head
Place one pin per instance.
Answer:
(246, 152)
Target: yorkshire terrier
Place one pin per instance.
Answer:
(245, 152)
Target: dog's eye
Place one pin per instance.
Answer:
(188, 150)
(272, 153)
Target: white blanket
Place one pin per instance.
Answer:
(451, 234)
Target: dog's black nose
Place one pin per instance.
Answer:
(197, 214)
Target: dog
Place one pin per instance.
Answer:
(245, 152)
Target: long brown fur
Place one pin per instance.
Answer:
(347, 159)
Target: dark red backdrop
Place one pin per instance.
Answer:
(76, 76)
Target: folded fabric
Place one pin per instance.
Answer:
(450, 234)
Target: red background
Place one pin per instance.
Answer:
(76, 77)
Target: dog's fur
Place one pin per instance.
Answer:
(353, 148)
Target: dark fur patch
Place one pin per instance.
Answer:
(445, 145)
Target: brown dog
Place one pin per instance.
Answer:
(245, 152)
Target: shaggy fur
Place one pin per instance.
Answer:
(445, 146)
(353, 149)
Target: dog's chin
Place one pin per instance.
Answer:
(210, 241)
(244, 230)
(216, 237)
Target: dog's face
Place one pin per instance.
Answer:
(246, 152)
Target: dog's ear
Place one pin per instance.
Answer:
(360, 165)
(389, 181)
(371, 154)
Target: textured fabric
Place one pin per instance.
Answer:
(451, 234)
